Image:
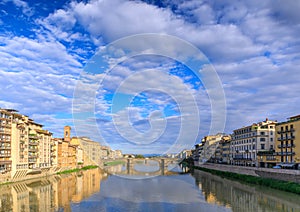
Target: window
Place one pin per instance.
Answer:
(262, 133)
(271, 146)
(262, 146)
(271, 133)
(292, 126)
(271, 139)
(262, 139)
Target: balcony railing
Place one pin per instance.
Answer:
(5, 140)
(5, 147)
(285, 153)
(5, 155)
(286, 131)
(33, 142)
(267, 152)
(33, 136)
(4, 161)
(5, 132)
(32, 150)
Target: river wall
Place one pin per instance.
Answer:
(278, 174)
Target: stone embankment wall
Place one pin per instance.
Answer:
(278, 174)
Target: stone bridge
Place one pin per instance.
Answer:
(163, 164)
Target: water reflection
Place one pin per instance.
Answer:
(241, 197)
(94, 190)
(54, 193)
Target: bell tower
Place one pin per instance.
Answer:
(67, 133)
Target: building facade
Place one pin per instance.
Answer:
(24, 145)
(288, 142)
(248, 141)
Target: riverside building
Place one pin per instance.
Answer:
(248, 141)
(24, 145)
(288, 143)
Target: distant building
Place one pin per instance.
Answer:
(222, 152)
(225, 144)
(205, 151)
(92, 150)
(185, 154)
(118, 154)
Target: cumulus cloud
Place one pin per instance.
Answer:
(253, 45)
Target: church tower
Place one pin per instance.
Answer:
(67, 133)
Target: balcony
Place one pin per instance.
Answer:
(286, 131)
(33, 136)
(5, 132)
(33, 150)
(266, 152)
(5, 140)
(32, 156)
(5, 147)
(285, 153)
(270, 158)
(5, 162)
(31, 142)
(5, 155)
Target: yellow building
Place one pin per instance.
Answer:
(288, 142)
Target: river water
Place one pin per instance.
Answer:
(149, 190)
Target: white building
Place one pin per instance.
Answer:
(247, 141)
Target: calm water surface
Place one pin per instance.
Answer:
(96, 190)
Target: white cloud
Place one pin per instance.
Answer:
(254, 46)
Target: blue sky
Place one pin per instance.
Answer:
(254, 47)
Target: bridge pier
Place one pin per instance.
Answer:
(162, 166)
(129, 165)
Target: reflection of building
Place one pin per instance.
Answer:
(76, 187)
(240, 197)
(87, 184)
(248, 141)
(50, 194)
